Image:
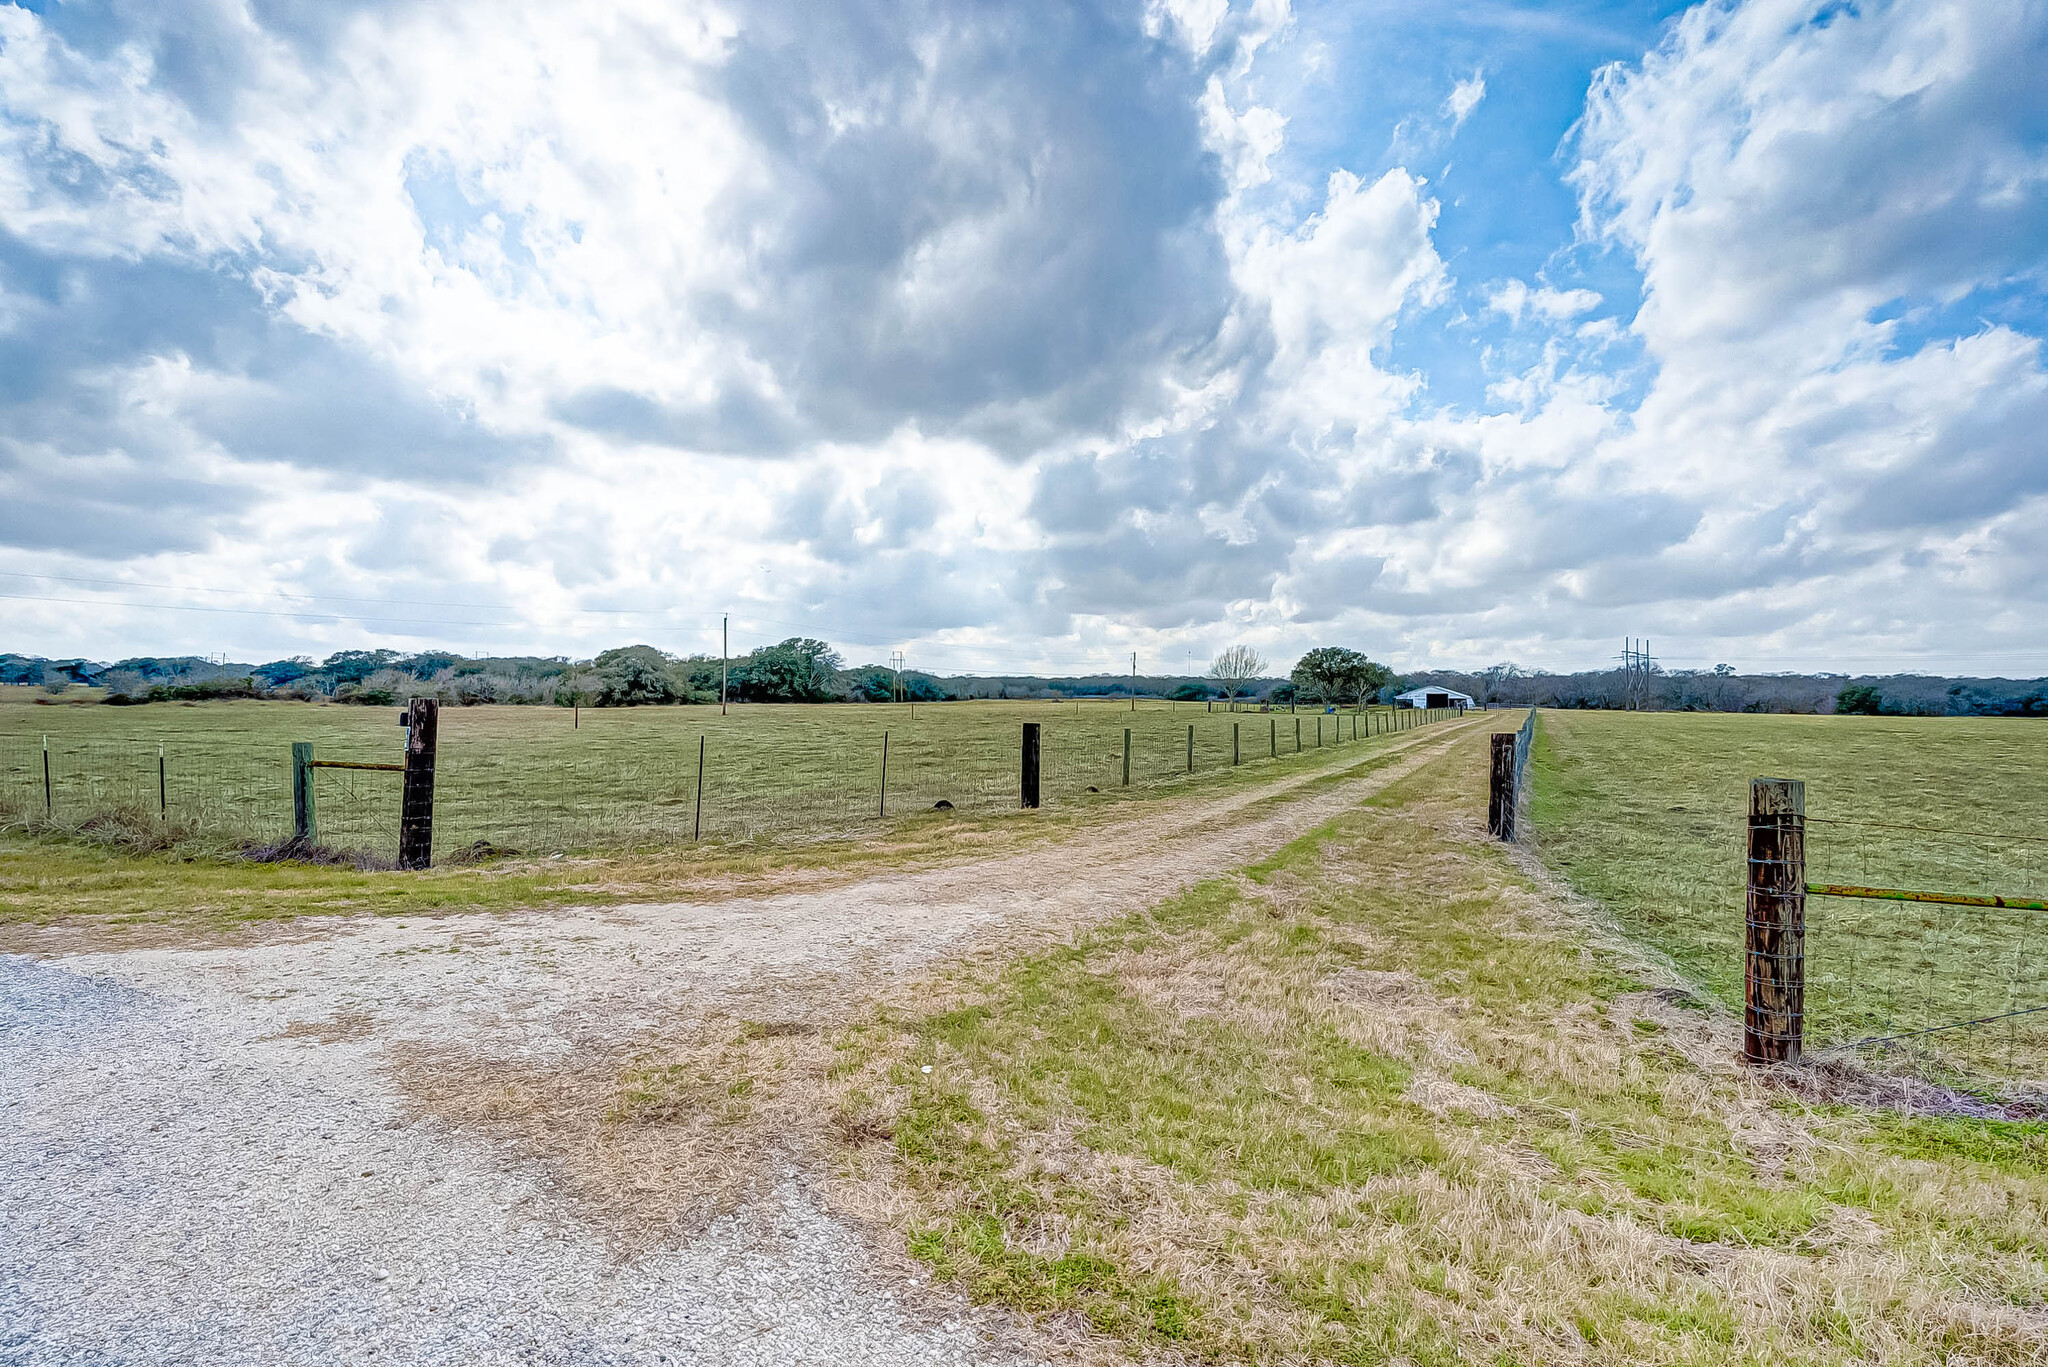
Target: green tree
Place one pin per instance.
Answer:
(632, 676)
(799, 669)
(1338, 674)
(1859, 700)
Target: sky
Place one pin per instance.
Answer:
(1019, 335)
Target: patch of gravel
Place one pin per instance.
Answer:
(173, 1191)
(204, 1157)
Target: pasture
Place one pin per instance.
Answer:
(546, 780)
(587, 809)
(1645, 812)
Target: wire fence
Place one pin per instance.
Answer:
(534, 781)
(1946, 990)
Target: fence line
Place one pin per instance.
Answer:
(646, 787)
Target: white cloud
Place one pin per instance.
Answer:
(942, 322)
(1514, 298)
(1463, 99)
(1778, 177)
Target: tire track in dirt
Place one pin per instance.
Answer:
(233, 1153)
(540, 984)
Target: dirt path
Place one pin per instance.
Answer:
(203, 1156)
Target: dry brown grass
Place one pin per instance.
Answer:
(1557, 1161)
(1386, 1097)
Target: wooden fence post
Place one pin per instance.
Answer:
(1774, 942)
(1273, 739)
(304, 827)
(1191, 749)
(163, 787)
(1030, 764)
(416, 809)
(1127, 754)
(1500, 788)
(697, 825)
(1233, 745)
(1297, 735)
(882, 805)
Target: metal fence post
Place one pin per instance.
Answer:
(882, 804)
(1030, 764)
(416, 809)
(697, 825)
(304, 827)
(49, 795)
(1774, 941)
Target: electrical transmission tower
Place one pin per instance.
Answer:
(1637, 665)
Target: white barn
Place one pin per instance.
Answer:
(1432, 697)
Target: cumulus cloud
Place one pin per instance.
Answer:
(960, 324)
(1782, 176)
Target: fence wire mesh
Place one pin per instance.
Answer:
(536, 781)
(1943, 989)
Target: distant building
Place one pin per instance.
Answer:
(1432, 697)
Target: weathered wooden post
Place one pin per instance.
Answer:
(1273, 737)
(416, 807)
(1774, 943)
(1233, 745)
(1500, 788)
(1297, 735)
(1191, 748)
(1127, 754)
(305, 829)
(1030, 764)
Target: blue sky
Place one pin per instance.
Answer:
(1026, 335)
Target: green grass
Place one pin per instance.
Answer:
(538, 780)
(1645, 812)
(1374, 1100)
(592, 813)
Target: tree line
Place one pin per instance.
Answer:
(802, 669)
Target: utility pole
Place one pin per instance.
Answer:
(1134, 681)
(1637, 664)
(724, 657)
(897, 659)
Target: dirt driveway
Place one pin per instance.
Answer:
(205, 1156)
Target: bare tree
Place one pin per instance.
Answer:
(1235, 668)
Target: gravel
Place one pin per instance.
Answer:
(173, 1190)
(203, 1156)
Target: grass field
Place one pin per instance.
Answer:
(594, 811)
(540, 780)
(1378, 1099)
(1646, 813)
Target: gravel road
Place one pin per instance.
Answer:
(204, 1158)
